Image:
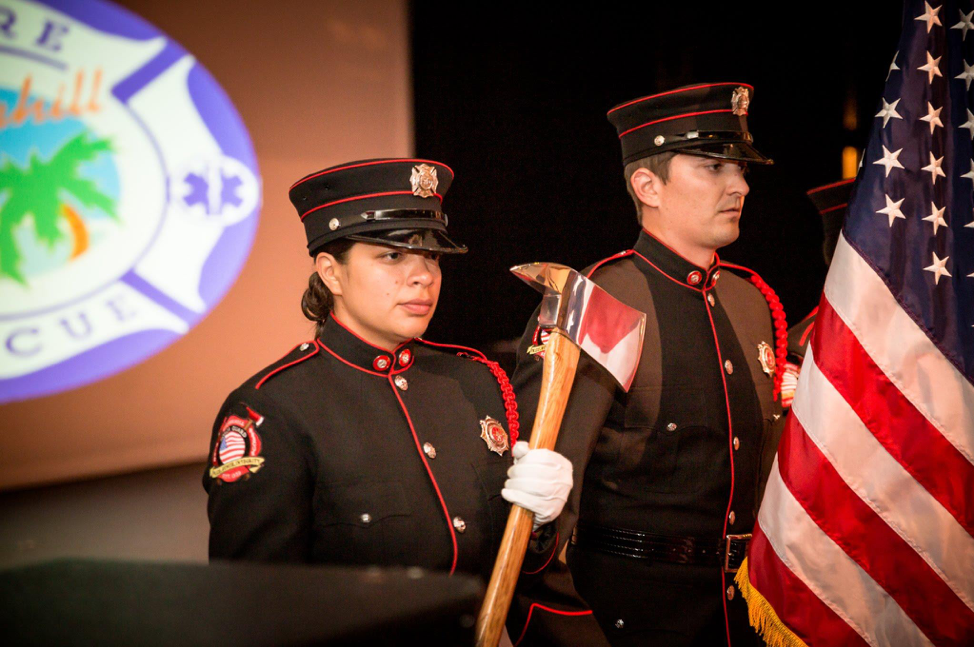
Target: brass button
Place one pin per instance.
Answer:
(659, 140)
(731, 517)
(728, 366)
(711, 300)
(620, 624)
(730, 592)
(401, 382)
(459, 524)
(365, 518)
(737, 442)
(333, 224)
(671, 426)
(305, 345)
(429, 449)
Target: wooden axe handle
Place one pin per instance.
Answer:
(560, 361)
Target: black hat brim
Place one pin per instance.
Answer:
(427, 240)
(729, 150)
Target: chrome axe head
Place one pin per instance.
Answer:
(609, 331)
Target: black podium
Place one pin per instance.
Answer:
(81, 602)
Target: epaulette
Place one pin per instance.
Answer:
(507, 391)
(777, 314)
(301, 352)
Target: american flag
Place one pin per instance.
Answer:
(865, 535)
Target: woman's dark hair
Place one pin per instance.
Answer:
(317, 302)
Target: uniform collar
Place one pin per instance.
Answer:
(668, 262)
(344, 344)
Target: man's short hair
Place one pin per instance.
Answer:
(658, 165)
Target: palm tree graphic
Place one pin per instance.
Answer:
(39, 190)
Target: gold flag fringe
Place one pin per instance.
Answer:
(762, 616)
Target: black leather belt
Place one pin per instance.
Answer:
(727, 553)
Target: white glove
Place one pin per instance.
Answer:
(539, 481)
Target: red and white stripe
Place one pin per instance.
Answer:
(232, 447)
(866, 531)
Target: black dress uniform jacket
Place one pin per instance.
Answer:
(679, 455)
(363, 456)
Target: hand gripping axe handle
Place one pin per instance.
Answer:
(580, 316)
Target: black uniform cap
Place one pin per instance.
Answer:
(395, 202)
(708, 119)
(832, 201)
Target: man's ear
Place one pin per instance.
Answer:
(646, 185)
(328, 269)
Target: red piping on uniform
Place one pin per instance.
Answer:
(835, 208)
(507, 391)
(281, 368)
(362, 339)
(343, 168)
(687, 114)
(677, 91)
(465, 348)
(830, 186)
(780, 324)
(677, 281)
(360, 197)
(554, 549)
(345, 361)
(628, 252)
(449, 521)
(730, 447)
(550, 610)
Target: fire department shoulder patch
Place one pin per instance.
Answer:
(236, 453)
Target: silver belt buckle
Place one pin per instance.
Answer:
(727, 554)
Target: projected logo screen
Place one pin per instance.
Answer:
(129, 193)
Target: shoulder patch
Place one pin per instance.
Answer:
(236, 452)
(298, 354)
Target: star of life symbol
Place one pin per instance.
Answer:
(137, 199)
(740, 100)
(424, 180)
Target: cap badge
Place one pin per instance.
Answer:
(494, 435)
(740, 100)
(423, 180)
(766, 357)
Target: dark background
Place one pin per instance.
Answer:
(514, 100)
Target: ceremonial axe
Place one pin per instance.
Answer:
(579, 316)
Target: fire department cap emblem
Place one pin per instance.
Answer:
(236, 453)
(423, 180)
(494, 435)
(766, 357)
(740, 101)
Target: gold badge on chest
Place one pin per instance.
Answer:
(494, 435)
(766, 357)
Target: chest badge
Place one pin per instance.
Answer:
(766, 357)
(494, 435)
